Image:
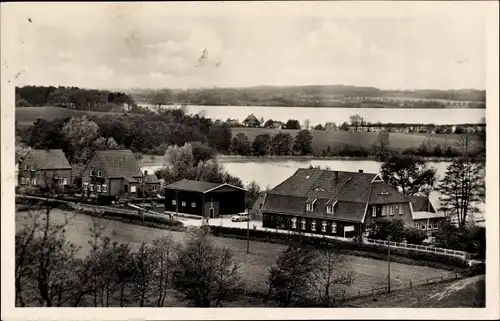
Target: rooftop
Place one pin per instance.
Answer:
(49, 159)
(119, 164)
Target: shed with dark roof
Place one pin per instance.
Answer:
(204, 199)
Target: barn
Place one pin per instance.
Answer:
(204, 199)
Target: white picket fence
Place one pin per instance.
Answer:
(422, 248)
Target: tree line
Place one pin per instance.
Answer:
(72, 97)
(51, 271)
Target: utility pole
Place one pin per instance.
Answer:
(389, 264)
(248, 232)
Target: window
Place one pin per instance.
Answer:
(174, 202)
(391, 210)
(417, 225)
(436, 225)
(23, 181)
(309, 207)
(183, 203)
(99, 174)
(323, 226)
(92, 173)
(384, 210)
(104, 188)
(32, 167)
(85, 185)
(34, 182)
(329, 208)
(423, 226)
(91, 187)
(98, 187)
(65, 181)
(334, 227)
(313, 225)
(153, 187)
(303, 223)
(400, 208)
(26, 167)
(132, 189)
(374, 211)
(294, 222)
(430, 226)
(193, 204)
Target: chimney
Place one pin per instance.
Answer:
(336, 176)
(360, 171)
(145, 173)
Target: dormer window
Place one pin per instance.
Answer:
(92, 173)
(99, 174)
(310, 205)
(384, 193)
(319, 189)
(329, 209)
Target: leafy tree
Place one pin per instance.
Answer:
(241, 145)
(383, 228)
(205, 274)
(292, 124)
(143, 278)
(381, 144)
(164, 253)
(462, 189)
(22, 103)
(291, 277)
(219, 137)
(414, 235)
(81, 134)
(356, 121)
(319, 127)
(253, 193)
(102, 143)
(261, 144)
(201, 152)
(281, 144)
(303, 142)
(179, 161)
(344, 126)
(412, 176)
(269, 123)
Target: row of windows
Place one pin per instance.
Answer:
(92, 173)
(193, 204)
(389, 210)
(98, 187)
(27, 167)
(34, 181)
(310, 208)
(417, 225)
(314, 225)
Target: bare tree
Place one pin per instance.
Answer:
(306, 123)
(466, 143)
(332, 270)
(143, 277)
(356, 121)
(382, 142)
(164, 255)
(205, 275)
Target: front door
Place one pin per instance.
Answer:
(211, 212)
(125, 188)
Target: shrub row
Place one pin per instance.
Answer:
(399, 255)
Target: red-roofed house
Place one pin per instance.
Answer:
(333, 202)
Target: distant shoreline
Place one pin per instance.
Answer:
(295, 106)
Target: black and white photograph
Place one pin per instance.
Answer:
(249, 155)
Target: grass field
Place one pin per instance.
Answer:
(27, 115)
(465, 293)
(254, 267)
(324, 138)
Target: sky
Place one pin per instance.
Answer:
(165, 45)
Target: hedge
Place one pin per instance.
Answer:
(399, 255)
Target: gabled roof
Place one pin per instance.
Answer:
(48, 159)
(119, 164)
(421, 204)
(350, 192)
(251, 119)
(151, 179)
(197, 186)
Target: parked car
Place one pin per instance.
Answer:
(242, 217)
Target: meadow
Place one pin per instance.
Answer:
(338, 138)
(369, 273)
(27, 115)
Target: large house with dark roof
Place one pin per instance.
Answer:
(112, 173)
(40, 166)
(333, 202)
(204, 199)
(251, 121)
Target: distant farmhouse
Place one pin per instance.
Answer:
(203, 199)
(42, 167)
(341, 204)
(251, 121)
(112, 173)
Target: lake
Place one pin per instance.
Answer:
(271, 172)
(316, 116)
